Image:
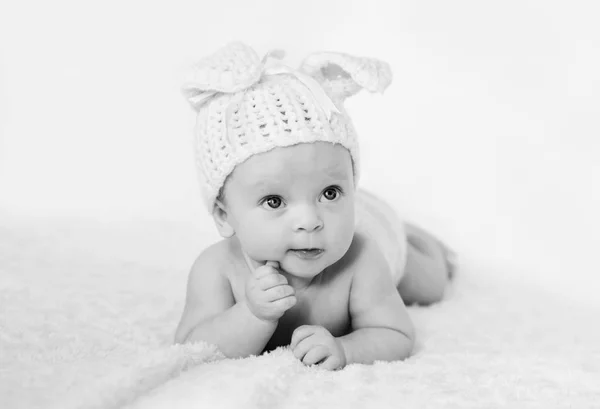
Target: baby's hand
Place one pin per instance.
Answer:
(268, 294)
(313, 344)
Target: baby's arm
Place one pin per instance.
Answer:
(211, 314)
(382, 329)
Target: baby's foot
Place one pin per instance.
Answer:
(451, 259)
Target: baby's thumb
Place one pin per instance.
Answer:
(273, 264)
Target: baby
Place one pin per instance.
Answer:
(307, 259)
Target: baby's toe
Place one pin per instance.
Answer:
(451, 259)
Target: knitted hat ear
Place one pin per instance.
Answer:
(343, 75)
(232, 68)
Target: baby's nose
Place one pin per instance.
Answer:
(308, 219)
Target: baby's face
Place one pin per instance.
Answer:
(294, 205)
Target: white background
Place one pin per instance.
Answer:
(489, 135)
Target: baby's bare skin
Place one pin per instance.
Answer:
(257, 289)
(346, 289)
(324, 302)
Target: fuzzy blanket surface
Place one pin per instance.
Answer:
(88, 310)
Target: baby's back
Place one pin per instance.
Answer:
(379, 222)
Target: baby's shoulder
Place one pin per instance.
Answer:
(363, 254)
(366, 247)
(216, 259)
(366, 265)
(369, 272)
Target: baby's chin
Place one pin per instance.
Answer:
(307, 267)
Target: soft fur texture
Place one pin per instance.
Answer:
(87, 313)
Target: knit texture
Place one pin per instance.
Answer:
(246, 106)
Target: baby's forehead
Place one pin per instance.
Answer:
(314, 160)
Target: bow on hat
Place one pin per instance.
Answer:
(329, 76)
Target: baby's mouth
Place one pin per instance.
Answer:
(310, 253)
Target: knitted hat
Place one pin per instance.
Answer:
(246, 106)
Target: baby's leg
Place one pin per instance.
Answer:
(429, 266)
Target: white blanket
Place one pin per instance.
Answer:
(87, 313)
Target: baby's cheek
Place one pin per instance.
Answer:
(261, 240)
(343, 233)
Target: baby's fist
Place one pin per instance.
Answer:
(313, 344)
(268, 294)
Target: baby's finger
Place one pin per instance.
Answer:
(265, 271)
(302, 347)
(285, 303)
(316, 354)
(331, 363)
(272, 280)
(279, 292)
(273, 264)
(301, 333)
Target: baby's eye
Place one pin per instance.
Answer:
(331, 193)
(272, 202)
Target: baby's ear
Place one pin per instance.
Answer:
(220, 217)
(343, 75)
